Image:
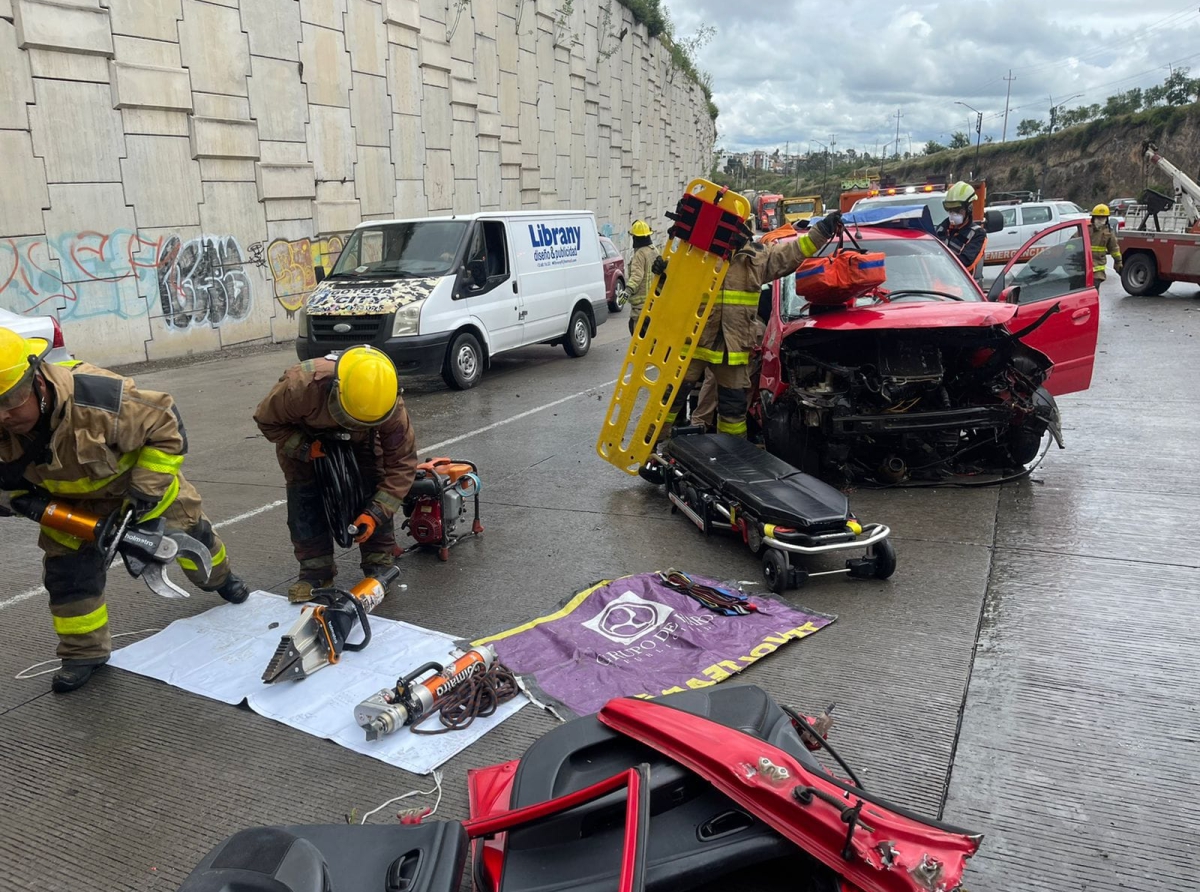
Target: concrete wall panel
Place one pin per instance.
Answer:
(146, 86)
(16, 85)
(154, 122)
(375, 180)
(366, 38)
(23, 189)
(370, 110)
(63, 112)
(141, 51)
(326, 66)
(273, 27)
(68, 66)
(156, 19)
(222, 138)
(278, 99)
(214, 48)
(331, 142)
(71, 29)
(162, 181)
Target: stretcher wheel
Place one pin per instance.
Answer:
(775, 570)
(885, 559)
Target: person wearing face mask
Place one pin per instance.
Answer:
(1104, 242)
(965, 238)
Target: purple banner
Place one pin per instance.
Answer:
(637, 637)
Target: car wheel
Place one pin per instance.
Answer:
(1139, 274)
(464, 362)
(579, 335)
(618, 287)
(885, 559)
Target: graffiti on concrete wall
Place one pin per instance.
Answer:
(79, 275)
(85, 275)
(203, 280)
(293, 267)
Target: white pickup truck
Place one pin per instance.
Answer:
(1023, 221)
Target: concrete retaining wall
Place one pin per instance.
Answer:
(172, 168)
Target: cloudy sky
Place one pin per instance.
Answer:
(801, 70)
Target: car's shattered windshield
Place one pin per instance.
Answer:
(415, 249)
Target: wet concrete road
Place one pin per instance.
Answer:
(1076, 752)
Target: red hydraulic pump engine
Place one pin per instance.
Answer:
(435, 509)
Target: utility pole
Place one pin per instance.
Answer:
(1007, 96)
(896, 144)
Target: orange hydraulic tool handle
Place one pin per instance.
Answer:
(41, 507)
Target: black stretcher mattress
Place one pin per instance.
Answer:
(766, 486)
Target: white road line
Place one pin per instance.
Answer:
(262, 509)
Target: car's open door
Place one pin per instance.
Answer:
(1052, 273)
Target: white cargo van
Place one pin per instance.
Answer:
(446, 294)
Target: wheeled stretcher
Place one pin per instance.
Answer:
(722, 482)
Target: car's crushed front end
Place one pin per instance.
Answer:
(910, 406)
(920, 381)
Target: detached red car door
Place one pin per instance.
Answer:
(1056, 269)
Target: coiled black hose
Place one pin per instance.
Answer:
(342, 491)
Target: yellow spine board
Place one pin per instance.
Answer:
(677, 307)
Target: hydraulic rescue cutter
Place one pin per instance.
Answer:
(318, 638)
(146, 547)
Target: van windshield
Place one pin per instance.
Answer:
(416, 249)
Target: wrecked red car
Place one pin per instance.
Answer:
(927, 379)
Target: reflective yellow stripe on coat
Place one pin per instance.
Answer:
(740, 298)
(88, 484)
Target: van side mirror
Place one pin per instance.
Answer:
(993, 221)
(319, 272)
(478, 272)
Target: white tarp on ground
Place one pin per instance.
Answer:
(221, 654)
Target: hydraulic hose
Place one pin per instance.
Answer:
(342, 492)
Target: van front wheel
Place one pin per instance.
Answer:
(579, 335)
(464, 362)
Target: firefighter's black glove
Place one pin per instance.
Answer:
(659, 266)
(829, 225)
(141, 504)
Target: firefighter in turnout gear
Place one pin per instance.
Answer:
(965, 238)
(638, 283)
(90, 436)
(731, 332)
(356, 393)
(1104, 242)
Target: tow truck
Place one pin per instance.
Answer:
(1160, 242)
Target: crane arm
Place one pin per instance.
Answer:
(1187, 192)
